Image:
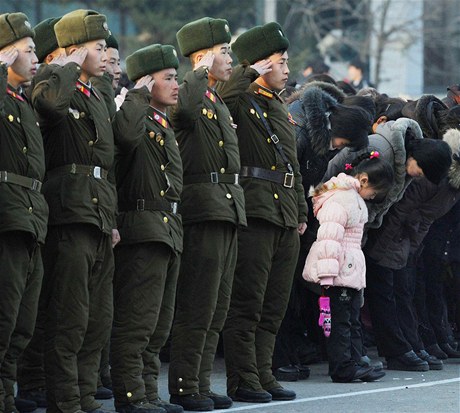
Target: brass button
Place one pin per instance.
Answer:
(129, 394)
(204, 111)
(10, 118)
(94, 200)
(222, 170)
(162, 193)
(30, 209)
(252, 111)
(18, 119)
(181, 390)
(180, 380)
(165, 220)
(275, 196)
(91, 143)
(221, 143)
(269, 140)
(265, 114)
(24, 150)
(229, 196)
(273, 168)
(82, 114)
(162, 142)
(162, 167)
(37, 123)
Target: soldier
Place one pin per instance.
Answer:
(276, 211)
(31, 373)
(22, 206)
(149, 183)
(78, 256)
(212, 207)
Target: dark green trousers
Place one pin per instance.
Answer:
(78, 260)
(21, 272)
(144, 294)
(267, 256)
(203, 297)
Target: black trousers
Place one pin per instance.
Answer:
(380, 295)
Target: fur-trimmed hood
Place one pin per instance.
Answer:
(311, 113)
(452, 138)
(330, 88)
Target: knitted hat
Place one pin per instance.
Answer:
(151, 59)
(14, 26)
(112, 42)
(45, 38)
(260, 42)
(81, 26)
(202, 34)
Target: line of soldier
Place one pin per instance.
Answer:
(198, 187)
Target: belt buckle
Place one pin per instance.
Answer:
(288, 180)
(36, 185)
(4, 176)
(214, 178)
(237, 179)
(174, 208)
(97, 172)
(140, 205)
(274, 139)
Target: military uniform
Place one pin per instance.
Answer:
(149, 177)
(268, 247)
(212, 206)
(78, 256)
(23, 213)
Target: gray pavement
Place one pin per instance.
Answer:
(397, 392)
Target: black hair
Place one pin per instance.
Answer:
(351, 123)
(359, 64)
(389, 107)
(379, 172)
(321, 77)
(365, 102)
(433, 156)
(318, 66)
(346, 88)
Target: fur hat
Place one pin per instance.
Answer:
(260, 42)
(151, 59)
(202, 34)
(13, 27)
(81, 26)
(112, 42)
(45, 38)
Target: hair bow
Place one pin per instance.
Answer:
(348, 166)
(374, 154)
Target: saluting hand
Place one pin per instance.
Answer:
(77, 56)
(207, 60)
(302, 228)
(147, 81)
(9, 55)
(59, 59)
(262, 66)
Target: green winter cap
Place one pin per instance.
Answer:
(81, 26)
(45, 38)
(13, 27)
(202, 34)
(111, 42)
(260, 42)
(151, 59)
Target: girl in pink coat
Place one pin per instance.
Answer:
(336, 260)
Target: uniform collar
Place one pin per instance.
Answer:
(263, 91)
(158, 116)
(212, 95)
(15, 93)
(86, 89)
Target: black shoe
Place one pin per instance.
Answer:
(194, 402)
(407, 362)
(280, 393)
(24, 406)
(139, 407)
(243, 394)
(286, 373)
(168, 407)
(433, 362)
(359, 372)
(38, 396)
(365, 361)
(103, 393)
(450, 352)
(436, 351)
(304, 371)
(220, 401)
(373, 375)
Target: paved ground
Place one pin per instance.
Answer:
(397, 392)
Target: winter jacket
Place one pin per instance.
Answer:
(389, 141)
(335, 258)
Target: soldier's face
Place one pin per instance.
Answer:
(95, 63)
(25, 66)
(277, 78)
(221, 68)
(165, 91)
(113, 65)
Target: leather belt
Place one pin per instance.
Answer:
(285, 179)
(90, 170)
(24, 181)
(213, 177)
(146, 205)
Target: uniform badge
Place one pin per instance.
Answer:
(75, 113)
(204, 111)
(10, 118)
(158, 137)
(210, 114)
(151, 134)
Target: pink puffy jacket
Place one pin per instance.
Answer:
(336, 258)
